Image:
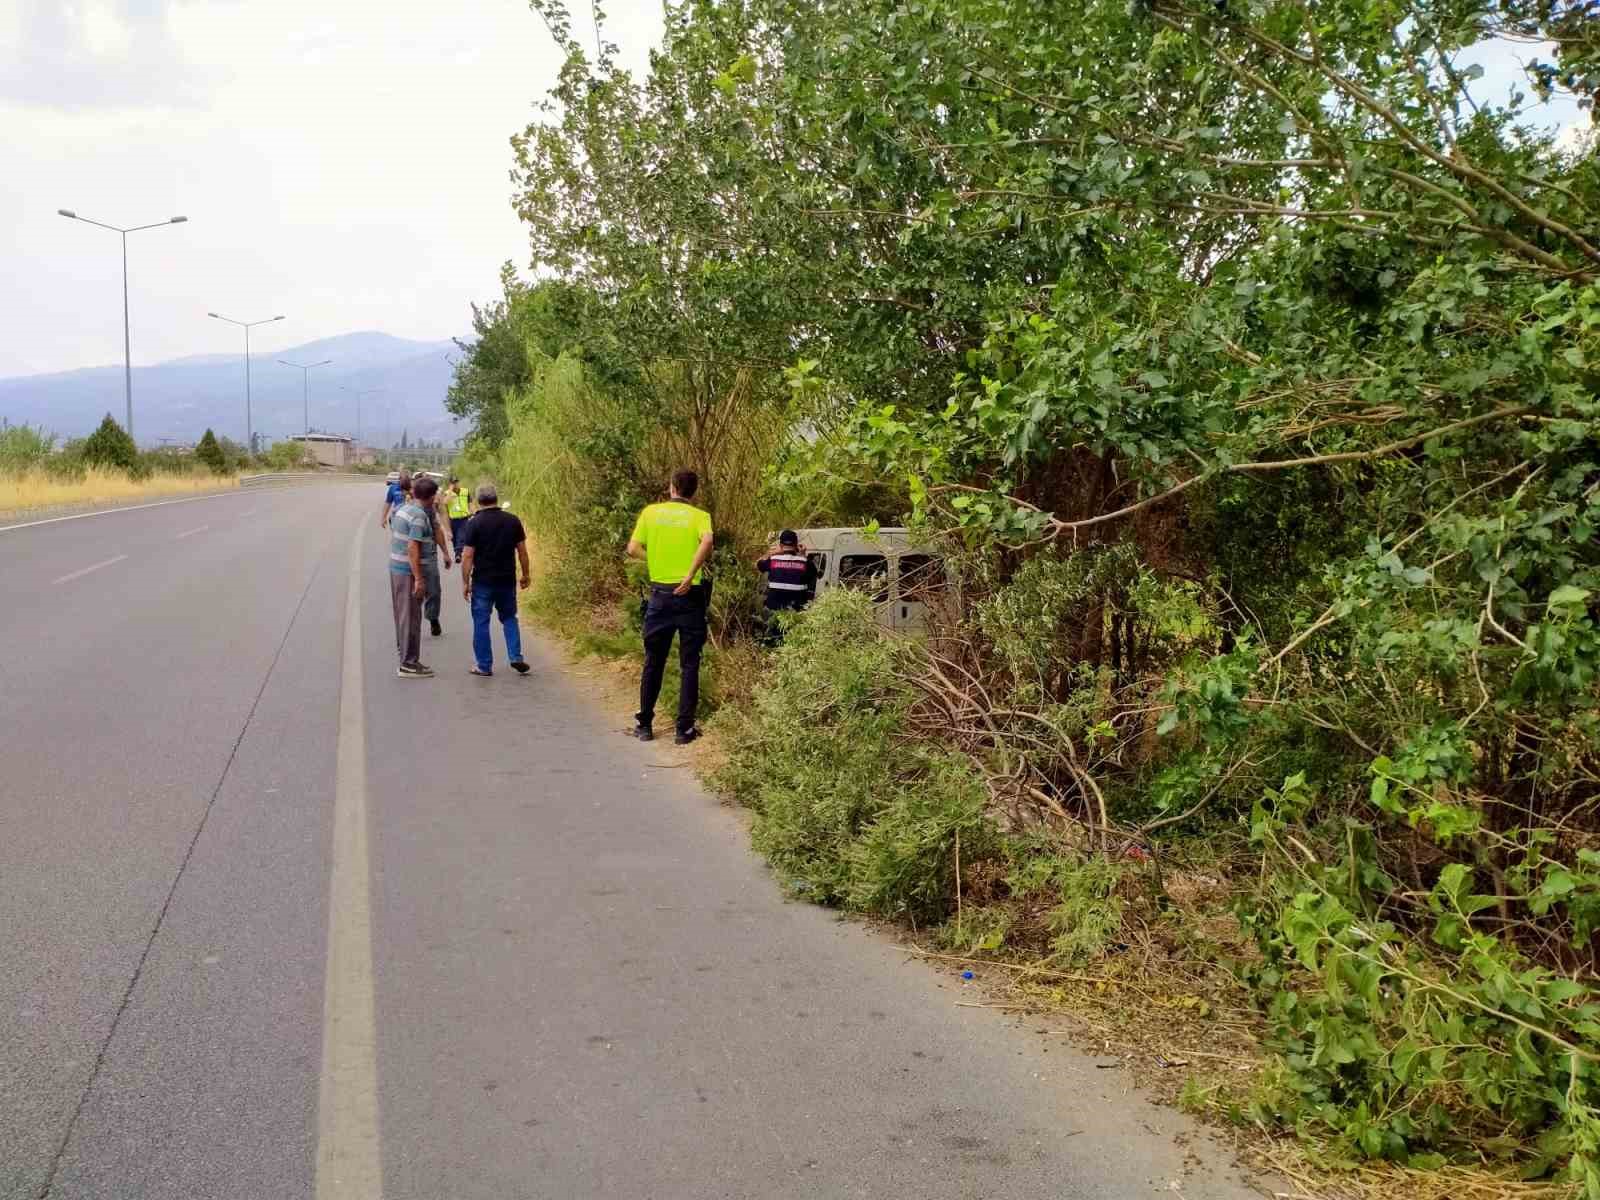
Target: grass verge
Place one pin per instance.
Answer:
(32, 491)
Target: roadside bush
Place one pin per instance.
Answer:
(903, 864)
(287, 456)
(847, 809)
(1409, 1050)
(23, 447)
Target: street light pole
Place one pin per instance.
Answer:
(305, 380)
(127, 347)
(358, 395)
(249, 427)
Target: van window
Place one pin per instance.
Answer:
(921, 576)
(868, 572)
(819, 563)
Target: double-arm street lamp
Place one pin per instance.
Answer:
(249, 427)
(127, 353)
(305, 381)
(358, 395)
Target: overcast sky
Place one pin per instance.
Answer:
(343, 162)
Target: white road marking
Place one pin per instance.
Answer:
(192, 532)
(106, 512)
(80, 574)
(349, 1166)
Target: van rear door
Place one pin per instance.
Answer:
(919, 578)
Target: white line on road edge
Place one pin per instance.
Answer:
(80, 574)
(349, 1166)
(192, 532)
(106, 512)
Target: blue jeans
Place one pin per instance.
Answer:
(502, 598)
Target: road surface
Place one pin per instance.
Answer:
(275, 923)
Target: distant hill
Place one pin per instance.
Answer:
(181, 398)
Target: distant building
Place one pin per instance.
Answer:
(328, 449)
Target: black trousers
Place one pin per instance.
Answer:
(666, 614)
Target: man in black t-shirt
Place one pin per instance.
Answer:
(492, 546)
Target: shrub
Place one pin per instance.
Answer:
(847, 809)
(1411, 1051)
(287, 456)
(23, 447)
(110, 446)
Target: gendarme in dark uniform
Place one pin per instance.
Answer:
(791, 581)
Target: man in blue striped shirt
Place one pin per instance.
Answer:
(411, 553)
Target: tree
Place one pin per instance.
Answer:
(288, 456)
(1258, 303)
(211, 454)
(110, 446)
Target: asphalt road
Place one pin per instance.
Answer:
(546, 962)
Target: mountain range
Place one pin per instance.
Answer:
(178, 400)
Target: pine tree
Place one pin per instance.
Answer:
(210, 453)
(110, 446)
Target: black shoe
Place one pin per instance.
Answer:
(521, 668)
(435, 628)
(685, 736)
(414, 671)
(644, 733)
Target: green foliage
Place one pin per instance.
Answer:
(109, 446)
(287, 456)
(211, 454)
(541, 321)
(1397, 1048)
(23, 447)
(588, 445)
(847, 810)
(1251, 352)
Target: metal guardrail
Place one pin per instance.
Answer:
(284, 478)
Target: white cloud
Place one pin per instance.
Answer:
(343, 162)
(104, 32)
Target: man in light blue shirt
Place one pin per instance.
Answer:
(411, 552)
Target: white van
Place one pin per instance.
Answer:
(904, 578)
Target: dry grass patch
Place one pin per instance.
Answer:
(31, 491)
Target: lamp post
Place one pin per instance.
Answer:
(358, 395)
(249, 427)
(305, 381)
(127, 351)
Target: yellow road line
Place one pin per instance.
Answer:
(349, 1165)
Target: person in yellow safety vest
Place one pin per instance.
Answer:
(458, 508)
(674, 540)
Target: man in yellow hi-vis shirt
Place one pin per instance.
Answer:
(457, 508)
(674, 540)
